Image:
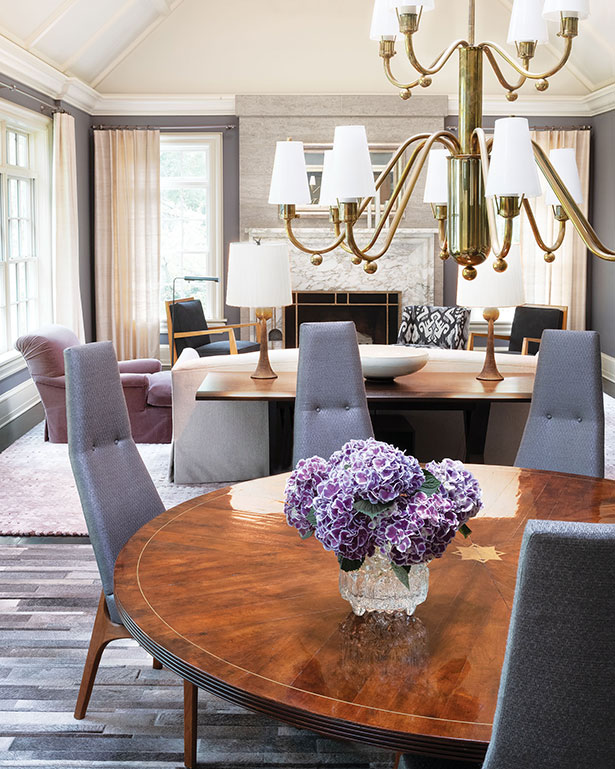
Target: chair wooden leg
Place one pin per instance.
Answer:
(191, 694)
(155, 664)
(103, 632)
(397, 760)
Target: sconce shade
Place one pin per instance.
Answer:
(258, 276)
(513, 170)
(494, 289)
(527, 23)
(352, 167)
(328, 196)
(384, 21)
(436, 182)
(289, 182)
(565, 163)
(554, 9)
(426, 5)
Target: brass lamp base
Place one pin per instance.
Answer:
(490, 371)
(263, 369)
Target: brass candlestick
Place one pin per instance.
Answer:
(490, 371)
(263, 369)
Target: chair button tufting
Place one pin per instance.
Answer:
(347, 408)
(318, 409)
(116, 441)
(548, 416)
(579, 419)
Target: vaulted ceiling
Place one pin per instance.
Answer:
(272, 46)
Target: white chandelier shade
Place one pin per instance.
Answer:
(384, 21)
(328, 195)
(352, 166)
(512, 170)
(289, 181)
(564, 161)
(436, 181)
(527, 23)
(555, 9)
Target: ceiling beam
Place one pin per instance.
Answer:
(49, 23)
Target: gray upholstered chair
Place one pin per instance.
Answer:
(330, 407)
(565, 427)
(117, 494)
(556, 697)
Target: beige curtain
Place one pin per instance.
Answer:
(127, 240)
(563, 282)
(67, 308)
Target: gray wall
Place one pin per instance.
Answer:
(230, 164)
(602, 202)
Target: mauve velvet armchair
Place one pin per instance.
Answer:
(147, 389)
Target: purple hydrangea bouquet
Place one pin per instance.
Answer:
(383, 516)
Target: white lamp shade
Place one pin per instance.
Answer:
(565, 163)
(384, 21)
(289, 182)
(554, 9)
(353, 173)
(426, 5)
(436, 183)
(258, 276)
(513, 170)
(328, 195)
(527, 22)
(494, 289)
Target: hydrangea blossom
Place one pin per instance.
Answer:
(370, 495)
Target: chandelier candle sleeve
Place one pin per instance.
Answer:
(564, 161)
(512, 170)
(289, 181)
(527, 23)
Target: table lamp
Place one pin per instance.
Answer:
(259, 277)
(496, 289)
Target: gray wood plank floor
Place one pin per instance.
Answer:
(48, 597)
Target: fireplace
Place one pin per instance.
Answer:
(376, 314)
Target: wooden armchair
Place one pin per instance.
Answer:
(187, 327)
(529, 321)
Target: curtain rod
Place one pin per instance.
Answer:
(44, 104)
(546, 128)
(227, 127)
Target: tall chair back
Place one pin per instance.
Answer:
(330, 406)
(565, 427)
(117, 494)
(555, 702)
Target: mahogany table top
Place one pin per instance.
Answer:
(438, 380)
(222, 591)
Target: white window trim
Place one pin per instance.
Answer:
(11, 361)
(215, 140)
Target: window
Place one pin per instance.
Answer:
(25, 242)
(191, 218)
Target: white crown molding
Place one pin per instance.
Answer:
(163, 104)
(602, 100)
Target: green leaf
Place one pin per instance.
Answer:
(431, 484)
(465, 530)
(311, 517)
(371, 509)
(401, 572)
(347, 564)
(306, 536)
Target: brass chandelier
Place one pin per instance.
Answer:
(471, 178)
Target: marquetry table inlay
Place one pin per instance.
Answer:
(223, 592)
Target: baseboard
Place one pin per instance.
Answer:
(608, 367)
(17, 401)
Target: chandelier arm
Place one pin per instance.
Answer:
(483, 148)
(439, 62)
(510, 87)
(313, 251)
(393, 80)
(534, 225)
(490, 47)
(439, 136)
(572, 210)
(503, 252)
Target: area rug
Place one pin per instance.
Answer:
(38, 494)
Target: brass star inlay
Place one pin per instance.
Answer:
(479, 553)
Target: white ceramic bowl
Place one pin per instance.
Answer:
(387, 361)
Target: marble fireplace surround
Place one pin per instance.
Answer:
(408, 267)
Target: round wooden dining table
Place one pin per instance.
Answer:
(223, 592)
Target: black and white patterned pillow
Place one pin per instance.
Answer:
(444, 327)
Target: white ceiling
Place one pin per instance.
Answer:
(272, 46)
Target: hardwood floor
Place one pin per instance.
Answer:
(48, 596)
